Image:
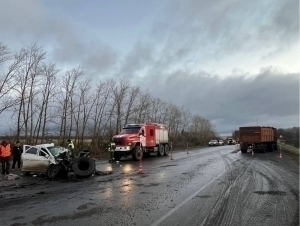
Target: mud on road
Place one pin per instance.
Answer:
(213, 186)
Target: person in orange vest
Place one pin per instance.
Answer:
(5, 153)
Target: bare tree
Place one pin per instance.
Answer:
(83, 109)
(119, 93)
(8, 79)
(133, 94)
(5, 54)
(67, 101)
(142, 109)
(101, 98)
(48, 91)
(31, 59)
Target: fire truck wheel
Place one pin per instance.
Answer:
(117, 156)
(161, 150)
(136, 155)
(166, 150)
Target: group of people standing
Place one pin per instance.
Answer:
(6, 152)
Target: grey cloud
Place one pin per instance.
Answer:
(137, 59)
(233, 100)
(219, 28)
(65, 41)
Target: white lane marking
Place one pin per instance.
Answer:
(184, 202)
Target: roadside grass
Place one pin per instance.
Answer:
(289, 148)
(292, 151)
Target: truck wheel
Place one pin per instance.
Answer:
(84, 166)
(244, 150)
(136, 153)
(167, 149)
(117, 156)
(52, 171)
(161, 150)
(270, 147)
(262, 150)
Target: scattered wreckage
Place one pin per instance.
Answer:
(52, 160)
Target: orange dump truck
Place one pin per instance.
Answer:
(260, 138)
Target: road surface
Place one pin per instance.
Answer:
(209, 186)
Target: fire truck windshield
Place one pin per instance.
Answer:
(130, 130)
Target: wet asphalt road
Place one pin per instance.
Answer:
(210, 186)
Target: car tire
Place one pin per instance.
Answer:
(84, 166)
(52, 171)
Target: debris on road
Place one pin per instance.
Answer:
(101, 173)
(11, 177)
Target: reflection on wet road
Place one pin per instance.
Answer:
(210, 186)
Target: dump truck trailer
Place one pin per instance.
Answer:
(259, 138)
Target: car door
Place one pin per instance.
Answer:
(34, 160)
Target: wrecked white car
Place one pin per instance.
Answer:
(50, 160)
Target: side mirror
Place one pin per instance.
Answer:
(47, 156)
(142, 133)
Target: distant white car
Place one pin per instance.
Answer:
(221, 142)
(213, 143)
(231, 141)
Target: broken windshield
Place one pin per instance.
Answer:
(55, 151)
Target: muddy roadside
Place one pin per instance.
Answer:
(294, 156)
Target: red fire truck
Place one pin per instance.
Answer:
(152, 137)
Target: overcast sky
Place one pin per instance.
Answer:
(235, 62)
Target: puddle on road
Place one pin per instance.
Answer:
(152, 185)
(270, 192)
(85, 206)
(168, 166)
(204, 196)
(145, 193)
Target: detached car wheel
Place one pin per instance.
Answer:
(52, 171)
(84, 166)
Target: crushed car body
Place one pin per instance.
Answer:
(51, 160)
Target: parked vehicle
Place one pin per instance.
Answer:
(237, 136)
(213, 143)
(221, 142)
(49, 159)
(260, 138)
(141, 139)
(231, 141)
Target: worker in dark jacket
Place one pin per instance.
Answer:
(17, 152)
(5, 153)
